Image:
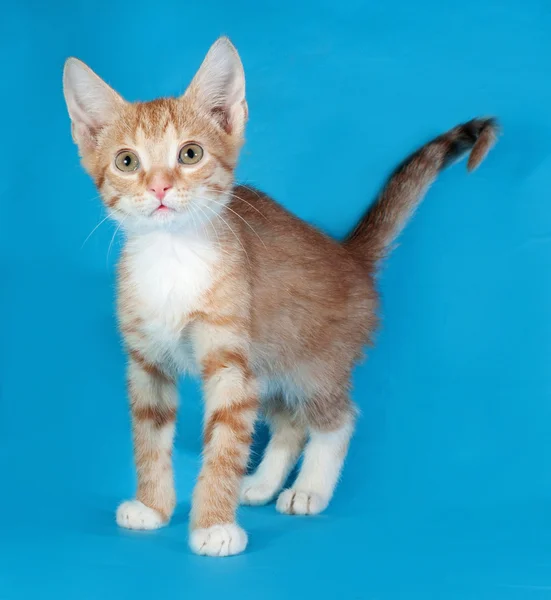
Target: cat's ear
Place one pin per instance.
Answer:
(92, 104)
(219, 87)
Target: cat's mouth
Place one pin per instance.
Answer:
(162, 209)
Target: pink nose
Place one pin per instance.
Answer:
(160, 186)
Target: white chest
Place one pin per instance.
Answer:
(168, 276)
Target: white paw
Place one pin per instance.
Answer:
(297, 502)
(218, 540)
(133, 514)
(255, 491)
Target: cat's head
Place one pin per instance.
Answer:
(164, 163)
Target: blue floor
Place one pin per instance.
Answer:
(447, 491)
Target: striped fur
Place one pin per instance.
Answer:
(222, 281)
(384, 221)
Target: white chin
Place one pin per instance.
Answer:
(164, 216)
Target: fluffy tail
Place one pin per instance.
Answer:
(386, 218)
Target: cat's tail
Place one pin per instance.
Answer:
(371, 240)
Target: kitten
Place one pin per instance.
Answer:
(221, 280)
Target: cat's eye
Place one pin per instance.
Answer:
(127, 161)
(190, 154)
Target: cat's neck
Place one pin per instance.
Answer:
(167, 240)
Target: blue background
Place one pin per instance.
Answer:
(447, 490)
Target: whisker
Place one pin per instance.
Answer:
(217, 243)
(248, 187)
(210, 223)
(90, 234)
(242, 200)
(238, 215)
(96, 197)
(113, 238)
(194, 223)
(230, 228)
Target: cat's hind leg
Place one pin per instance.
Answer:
(280, 456)
(323, 456)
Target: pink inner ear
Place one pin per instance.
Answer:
(222, 117)
(83, 136)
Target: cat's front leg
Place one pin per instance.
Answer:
(231, 403)
(153, 400)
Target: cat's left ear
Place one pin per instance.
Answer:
(219, 87)
(91, 103)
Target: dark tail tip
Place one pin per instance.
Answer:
(478, 135)
(487, 137)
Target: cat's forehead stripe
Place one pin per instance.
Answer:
(160, 149)
(154, 117)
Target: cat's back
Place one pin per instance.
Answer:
(266, 221)
(280, 241)
(307, 290)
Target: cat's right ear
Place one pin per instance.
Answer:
(91, 103)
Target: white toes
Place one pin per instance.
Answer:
(255, 492)
(297, 502)
(218, 540)
(133, 514)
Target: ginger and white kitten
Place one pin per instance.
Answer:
(220, 279)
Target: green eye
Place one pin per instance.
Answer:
(190, 154)
(127, 161)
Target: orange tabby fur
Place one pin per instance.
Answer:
(272, 312)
